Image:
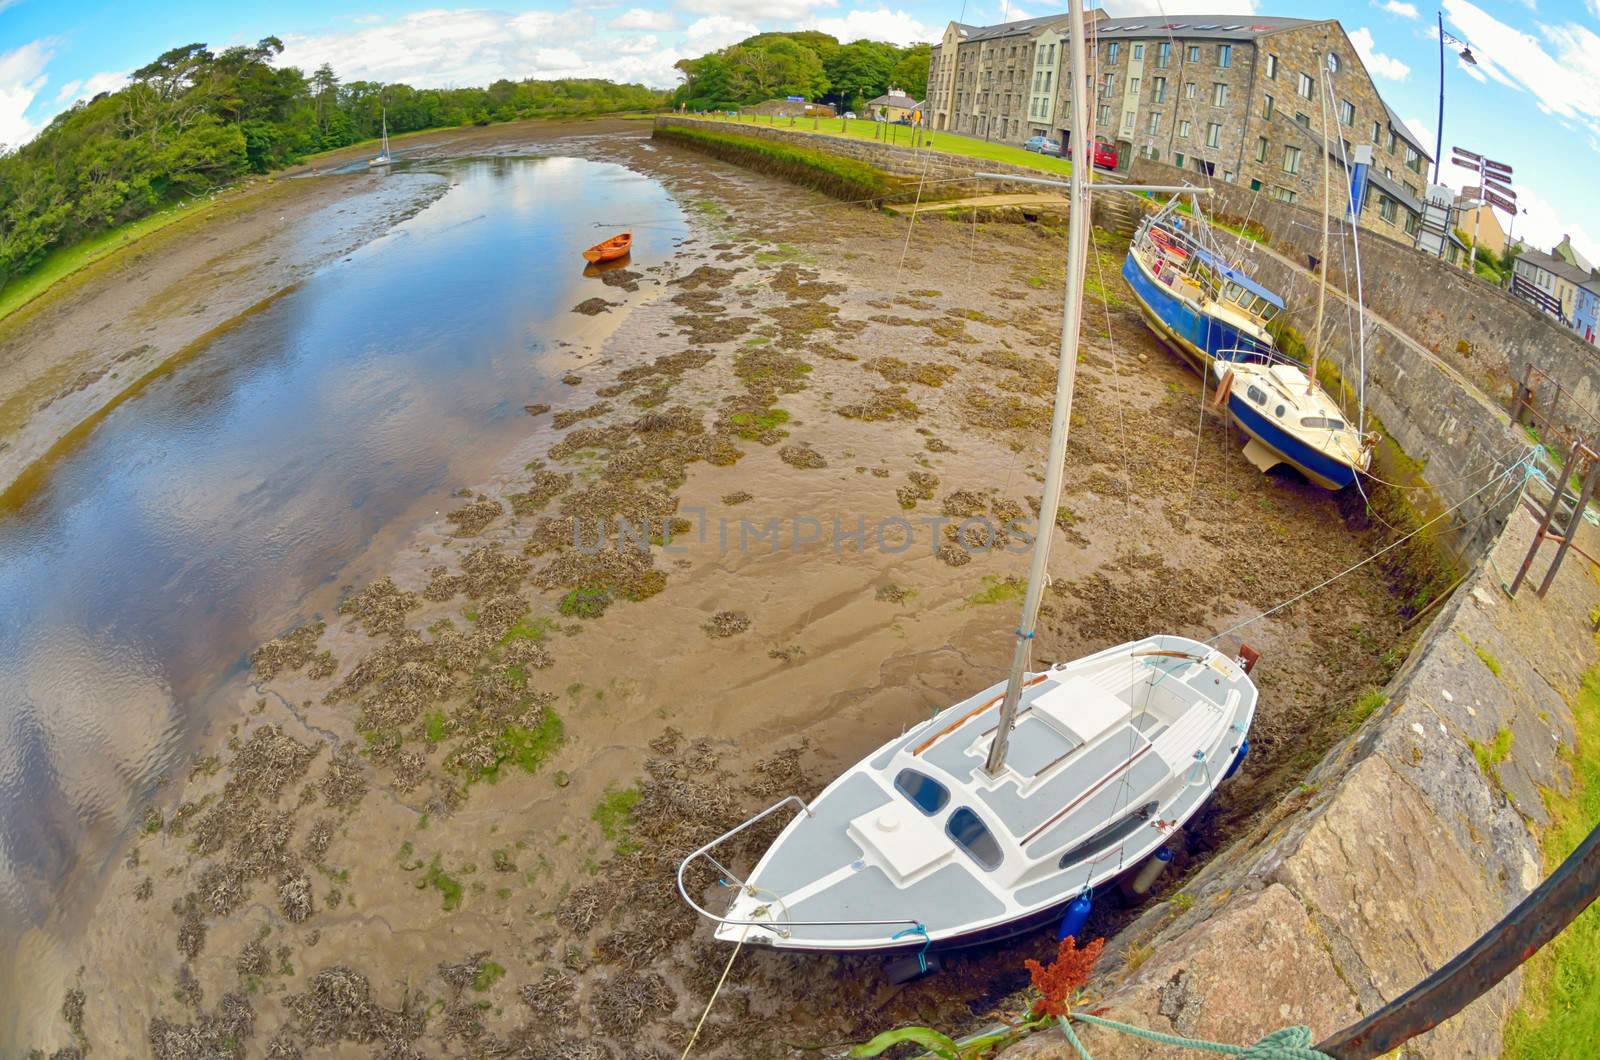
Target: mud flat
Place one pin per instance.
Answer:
(447, 816)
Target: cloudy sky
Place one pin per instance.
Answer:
(1533, 100)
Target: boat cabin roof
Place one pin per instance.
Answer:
(1234, 275)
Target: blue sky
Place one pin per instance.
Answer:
(1533, 100)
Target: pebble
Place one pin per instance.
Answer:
(1416, 727)
(1448, 698)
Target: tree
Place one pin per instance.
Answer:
(911, 73)
(864, 68)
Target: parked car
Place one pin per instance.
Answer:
(1042, 145)
(849, 114)
(1105, 154)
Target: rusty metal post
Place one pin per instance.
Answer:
(1558, 490)
(1574, 523)
(1497, 953)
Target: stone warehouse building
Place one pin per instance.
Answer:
(1230, 97)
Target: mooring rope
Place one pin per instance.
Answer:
(714, 993)
(1289, 1043)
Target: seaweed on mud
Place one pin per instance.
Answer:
(337, 1006)
(344, 784)
(625, 1001)
(709, 328)
(926, 373)
(802, 456)
(737, 497)
(593, 306)
(545, 487)
(986, 408)
(892, 594)
(381, 607)
(218, 1035)
(921, 487)
(289, 652)
(884, 403)
(473, 518)
(726, 624)
(954, 555)
(191, 931)
(145, 890)
(489, 570)
(463, 974)
(626, 279)
(253, 960)
(552, 997)
(536, 410)
(630, 573)
(1034, 375)
(567, 417)
(706, 276)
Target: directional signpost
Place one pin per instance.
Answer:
(1494, 188)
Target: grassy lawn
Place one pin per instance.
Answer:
(1560, 1012)
(904, 136)
(60, 264)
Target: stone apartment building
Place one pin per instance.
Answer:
(1231, 97)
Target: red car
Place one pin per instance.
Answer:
(1105, 155)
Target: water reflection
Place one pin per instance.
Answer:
(195, 519)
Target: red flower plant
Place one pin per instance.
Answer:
(1060, 982)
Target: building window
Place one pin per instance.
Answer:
(1105, 115)
(1272, 66)
(1413, 159)
(1213, 135)
(1160, 90)
(1051, 59)
(1138, 52)
(1377, 132)
(1163, 55)
(1188, 90)
(1411, 190)
(1333, 62)
(1291, 159)
(1224, 55)
(1283, 194)
(1388, 208)
(1347, 112)
(1127, 121)
(1111, 52)
(1302, 119)
(1306, 86)
(1266, 108)
(1255, 185)
(1155, 123)
(1219, 94)
(1183, 129)
(1133, 87)
(1261, 149)
(1412, 223)
(1194, 53)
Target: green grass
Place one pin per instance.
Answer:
(945, 143)
(1488, 660)
(537, 630)
(750, 425)
(63, 262)
(526, 749)
(489, 973)
(433, 726)
(585, 603)
(836, 175)
(614, 815)
(448, 886)
(1366, 705)
(1560, 1011)
(998, 591)
(1491, 754)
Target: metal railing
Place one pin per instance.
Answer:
(781, 930)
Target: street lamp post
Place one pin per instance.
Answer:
(1466, 56)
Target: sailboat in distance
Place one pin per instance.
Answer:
(382, 158)
(1010, 805)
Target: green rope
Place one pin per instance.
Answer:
(1290, 1043)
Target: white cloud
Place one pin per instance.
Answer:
(1402, 9)
(475, 47)
(1561, 72)
(21, 79)
(716, 31)
(1121, 8)
(1421, 130)
(896, 27)
(639, 18)
(1378, 64)
(766, 10)
(65, 94)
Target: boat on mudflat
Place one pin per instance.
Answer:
(1290, 421)
(1193, 300)
(611, 249)
(919, 844)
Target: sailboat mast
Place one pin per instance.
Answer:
(1322, 289)
(1066, 380)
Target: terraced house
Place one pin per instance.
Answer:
(1230, 97)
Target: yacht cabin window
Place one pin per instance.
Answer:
(973, 836)
(925, 793)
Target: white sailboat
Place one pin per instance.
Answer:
(1010, 805)
(382, 158)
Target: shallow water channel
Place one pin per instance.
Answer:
(241, 487)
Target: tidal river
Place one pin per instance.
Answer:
(236, 493)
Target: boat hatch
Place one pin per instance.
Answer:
(1080, 710)
(925, 793)
(906, 842)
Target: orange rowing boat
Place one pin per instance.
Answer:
(611, 249)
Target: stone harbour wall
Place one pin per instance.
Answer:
(1396, 853)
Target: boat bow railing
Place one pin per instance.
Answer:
(781, 929)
